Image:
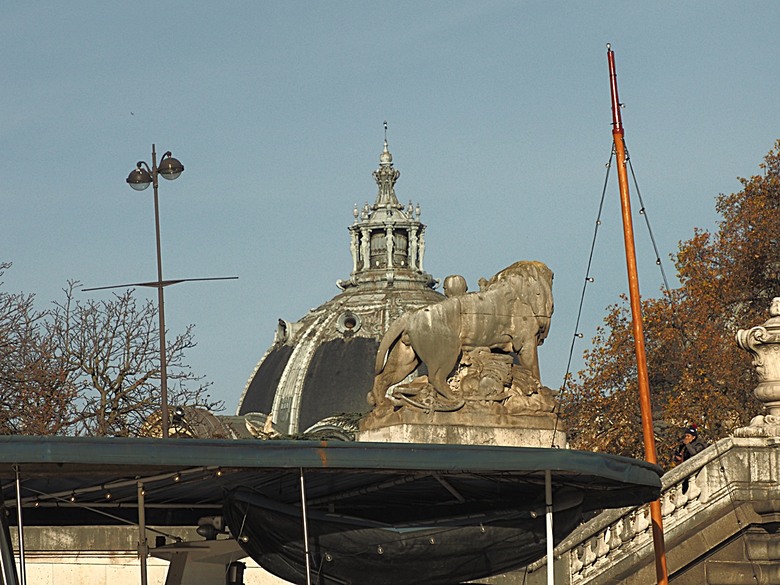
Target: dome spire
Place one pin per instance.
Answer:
(385, 177)
(385, 159)
(387, 240)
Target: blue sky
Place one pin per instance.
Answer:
(499, 121)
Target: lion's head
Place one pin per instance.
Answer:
(531, 282)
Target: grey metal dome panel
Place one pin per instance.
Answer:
(340, 375)
(259, 396)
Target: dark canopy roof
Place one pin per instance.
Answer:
(89, 481)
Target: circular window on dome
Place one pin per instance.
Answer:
(348, 323)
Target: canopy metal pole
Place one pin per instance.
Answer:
(305, 530)
(549, 524)
(143, 547)
(7, 564)
(20, 529)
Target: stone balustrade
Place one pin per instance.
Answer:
(624, 533)
(713, 486)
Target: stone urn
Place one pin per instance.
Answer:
(763, 343)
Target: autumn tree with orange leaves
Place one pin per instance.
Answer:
(697, 373)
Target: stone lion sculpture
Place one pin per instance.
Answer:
(511, 314)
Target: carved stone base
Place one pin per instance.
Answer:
(440, 428)
(761, 426)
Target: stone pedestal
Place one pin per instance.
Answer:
(542, 430)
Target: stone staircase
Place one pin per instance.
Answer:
(721, 517)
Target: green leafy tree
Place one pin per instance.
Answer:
(697, 373)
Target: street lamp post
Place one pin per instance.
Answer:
(139, 179)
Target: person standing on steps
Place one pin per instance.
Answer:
(690, 446)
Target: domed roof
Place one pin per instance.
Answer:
(322, 365)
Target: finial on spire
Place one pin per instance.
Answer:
(385, 158)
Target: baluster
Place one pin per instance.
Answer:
(602, 543)
(575, 561)
(616, 541)
(667, 504)
(642, 520)
(627, 532)
(588, 556)
(682, 496)
(704, 485)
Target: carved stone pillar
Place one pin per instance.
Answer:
(354, 249)
(413, 248)
(365, 249)
(421, 247)
(389, 245)
(763, 343)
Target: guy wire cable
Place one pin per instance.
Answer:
(588, 279)
(643, 212)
